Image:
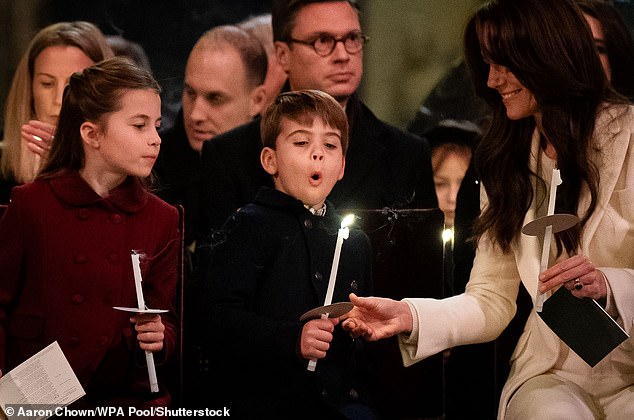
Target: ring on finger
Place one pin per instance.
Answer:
(577, 284)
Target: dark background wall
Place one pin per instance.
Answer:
(413, 42)
(167, 30)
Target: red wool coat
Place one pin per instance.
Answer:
(65, 262)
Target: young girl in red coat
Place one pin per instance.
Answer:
(67, 237)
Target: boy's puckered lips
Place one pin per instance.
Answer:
(315, 179)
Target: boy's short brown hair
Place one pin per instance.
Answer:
(303, 106)
(284, 13)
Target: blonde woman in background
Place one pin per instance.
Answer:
(35, 96)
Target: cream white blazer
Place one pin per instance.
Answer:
(488, 304)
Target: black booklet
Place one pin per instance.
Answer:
(583, 325)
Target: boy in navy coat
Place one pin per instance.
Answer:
(271, 263)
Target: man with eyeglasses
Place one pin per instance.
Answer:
(320, 46)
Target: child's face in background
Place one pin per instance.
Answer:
(307, 161)
(599, 41)
(450, 166)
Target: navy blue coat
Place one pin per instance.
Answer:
(269, 265)
(178, 173)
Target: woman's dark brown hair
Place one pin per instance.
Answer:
(617, 42)
(548, 46)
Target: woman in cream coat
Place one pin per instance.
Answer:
(535, 64)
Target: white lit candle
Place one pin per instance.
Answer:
(149, 356)
(343, 234)
(548, 232)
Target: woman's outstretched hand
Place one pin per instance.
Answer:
(375, 318)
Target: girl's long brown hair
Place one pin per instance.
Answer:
(91, 94)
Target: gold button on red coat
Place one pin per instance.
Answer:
(115, 218)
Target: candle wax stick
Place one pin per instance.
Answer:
(343, 234)
(151, 371)
(136, 269)
(312, 363)
(555, 180)
(149, 356)
(539, 299)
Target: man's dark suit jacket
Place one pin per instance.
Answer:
(177, 170)
(385, 167)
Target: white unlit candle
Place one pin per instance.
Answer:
(548, 232)
(149, 356)
(136, 269)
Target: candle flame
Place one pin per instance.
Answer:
(139, 253)
(347, 221)
(447, 235)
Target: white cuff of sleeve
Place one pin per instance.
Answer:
(412, 338)
(610, 307)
